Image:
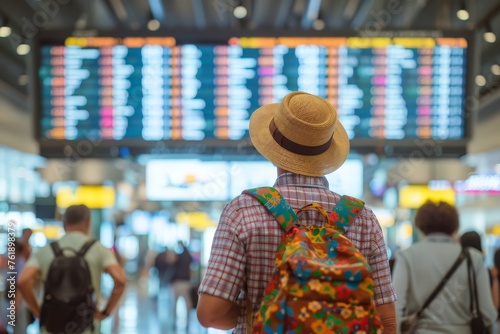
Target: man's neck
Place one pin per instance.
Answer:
(281, 171)
(76, 229)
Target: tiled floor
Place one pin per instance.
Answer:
(148, 312)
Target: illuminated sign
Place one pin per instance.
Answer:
(155, 89)
(186, 180)
(413, 197)
(479, 184)
(196, 220)
(95, 197)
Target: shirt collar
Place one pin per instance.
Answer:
(291, 179)
(76, 233)
(439, 237)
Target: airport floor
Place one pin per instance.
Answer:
(146, 310)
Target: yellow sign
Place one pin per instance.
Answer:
(412, 197)
(495, 230)
(196, 220)
(360, 42)
(415, 42)
(95, 197)
(53, 232)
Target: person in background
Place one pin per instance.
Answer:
(303, 137)
(25, 240)
(494, 270)
(21, 311)
(473, 239)
(496, 264)
(77, 223)
(181, 278)
(121, 262)
(419, 269)
(164, 264)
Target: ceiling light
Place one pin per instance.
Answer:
(240, 12)
(489, 36)
(23, 49)
(318, 24)
(153, 25)
(22, 80)
(5, 31)
(80, 24)
(480, 80)
(495, 69)
(462, 13)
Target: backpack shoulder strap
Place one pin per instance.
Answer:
(276, 205)
(345, 212)
(56, 249)
(86, 246)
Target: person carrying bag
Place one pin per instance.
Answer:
(419, 271)
(477, 323)
(410, 322)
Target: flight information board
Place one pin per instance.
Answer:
(154, 89)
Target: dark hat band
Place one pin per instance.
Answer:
(293, 147)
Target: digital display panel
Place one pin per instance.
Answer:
(192, 179)
(348, 179)
(251, 174)
(152, 89)
(186, 180)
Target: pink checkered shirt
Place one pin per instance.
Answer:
(247, 237)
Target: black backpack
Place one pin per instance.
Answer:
(68, 303)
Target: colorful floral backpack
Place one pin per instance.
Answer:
(321, 282)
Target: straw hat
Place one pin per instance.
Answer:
(301, 135)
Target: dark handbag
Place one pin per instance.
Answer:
(477, 325)
(409, 323)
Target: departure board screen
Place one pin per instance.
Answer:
(153, 89)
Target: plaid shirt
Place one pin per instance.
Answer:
(247, 237)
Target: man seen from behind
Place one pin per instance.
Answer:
(75, 248)
(304, 139)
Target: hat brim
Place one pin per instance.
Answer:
(310, 165)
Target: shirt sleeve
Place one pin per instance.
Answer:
(33, 261)
(225, 272)
(379, 262)
(107, 257)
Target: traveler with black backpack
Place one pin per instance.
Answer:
(70, 270)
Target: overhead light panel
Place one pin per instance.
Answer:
(22, 80)
(153, 25)
(462, 13)
(318, 24)
(495, 69)
(5, 30)
(240, 12)
(489, 36)
(23, 49)
(480, 80)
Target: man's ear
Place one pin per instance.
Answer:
(88, 224)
